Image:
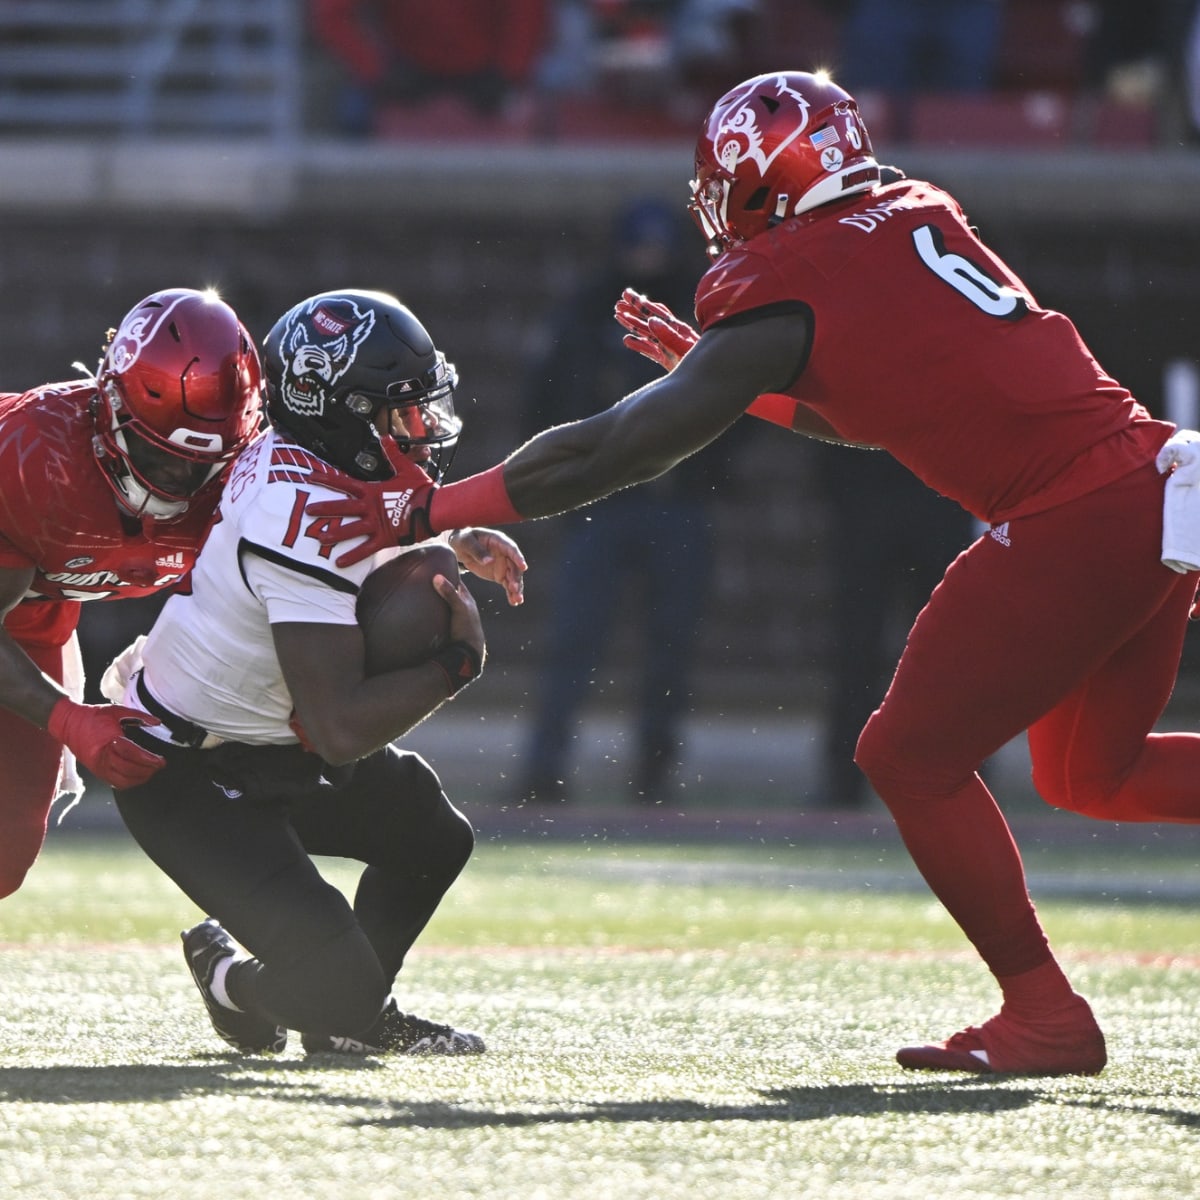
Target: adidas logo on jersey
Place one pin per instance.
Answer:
(395, 505)
(999, 533)
(170, 562)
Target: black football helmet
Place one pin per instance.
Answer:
(346, 368)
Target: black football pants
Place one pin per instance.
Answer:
(326, 967)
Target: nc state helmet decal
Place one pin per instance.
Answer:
(738, 136)
(318, 347)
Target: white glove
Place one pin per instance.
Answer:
(1181, 456)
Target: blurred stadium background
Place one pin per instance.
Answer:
(153, 143)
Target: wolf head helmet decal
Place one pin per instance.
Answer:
(352, 373)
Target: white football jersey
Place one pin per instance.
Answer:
(210, 657)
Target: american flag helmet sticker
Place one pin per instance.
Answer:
(823, 137)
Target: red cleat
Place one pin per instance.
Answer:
(1068, 1042)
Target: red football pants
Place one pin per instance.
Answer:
(1065, 624)
(31, 759)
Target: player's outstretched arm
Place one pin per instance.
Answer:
(650, 431)
(637, 439)
(656, 333)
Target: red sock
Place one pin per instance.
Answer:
(1036, 993)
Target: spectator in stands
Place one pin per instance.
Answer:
(715, 42)
(1148, 56)
(404, 51)
(898, 47)
(655, 538)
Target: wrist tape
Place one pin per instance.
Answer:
(460, 663)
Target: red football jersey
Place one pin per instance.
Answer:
(926, 344)
(59, 515)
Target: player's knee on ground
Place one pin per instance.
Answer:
(319, 972)
(335, 986)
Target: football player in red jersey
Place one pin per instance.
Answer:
(109, 485)
(847, 306)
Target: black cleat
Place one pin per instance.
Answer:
(396, 1032)
(204, 946)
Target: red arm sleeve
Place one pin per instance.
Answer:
(481, 499)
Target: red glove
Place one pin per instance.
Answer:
(95, 734)
(654, 330)
(391, 512)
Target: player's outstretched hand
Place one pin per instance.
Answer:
(492, 555)
(95, 734)
(654, 330)
(393, 512)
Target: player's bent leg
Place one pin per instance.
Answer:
(309, 964)
(315, 968)
(1043, 1027)
(1095, 753)
(395, 818)
(961, 844)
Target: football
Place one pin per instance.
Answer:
(403, 619)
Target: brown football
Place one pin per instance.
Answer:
(403, 619)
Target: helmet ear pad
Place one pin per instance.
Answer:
(335, 360)
(344, 439)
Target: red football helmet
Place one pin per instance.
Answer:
(775, 146)
(179, 396)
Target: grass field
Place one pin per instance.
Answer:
(663, 1022)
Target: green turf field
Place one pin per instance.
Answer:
(703, 1023)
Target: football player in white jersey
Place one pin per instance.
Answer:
(277, 744)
